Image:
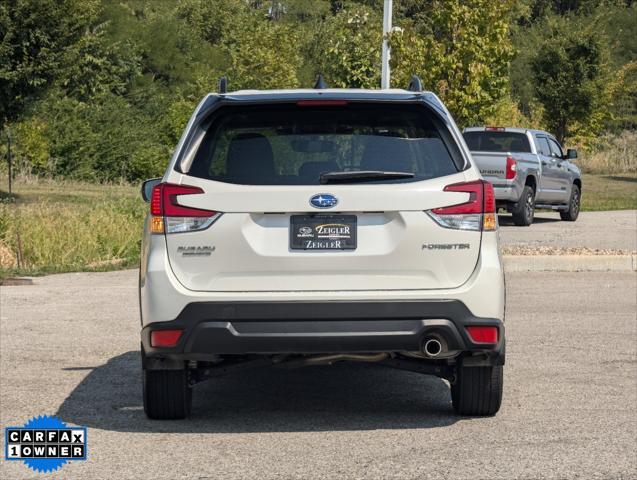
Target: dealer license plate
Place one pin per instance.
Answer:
(323, 232)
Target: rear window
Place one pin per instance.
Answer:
(497, 142)
(287, 144)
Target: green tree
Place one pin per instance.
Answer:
(32, 147)
(462, 53)
(569, 78)
(540, 8)
(34, 35)
(349, 56)
(210, 19)
(262, 54)
(96, 66)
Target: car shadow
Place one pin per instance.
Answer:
(507, 220)
(326, 398)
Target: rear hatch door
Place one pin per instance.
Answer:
(281, 229)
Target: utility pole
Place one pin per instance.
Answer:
(387, 13)
(9, 159)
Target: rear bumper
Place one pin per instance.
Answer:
(506, 190)
(509, 192)
(214, 328)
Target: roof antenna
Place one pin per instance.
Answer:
(320, 83)
(223, 85)
(415, 84)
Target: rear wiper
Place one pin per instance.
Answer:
(361, 176)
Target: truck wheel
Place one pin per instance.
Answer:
(167, 395)
(572, 213)
(525, 208)
(478, 390)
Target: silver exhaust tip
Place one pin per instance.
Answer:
(432, 347)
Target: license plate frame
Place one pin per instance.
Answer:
(323, 232)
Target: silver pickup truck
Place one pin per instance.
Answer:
(528, 170)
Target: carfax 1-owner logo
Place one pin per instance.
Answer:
(45, 443)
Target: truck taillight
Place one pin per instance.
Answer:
(478, 213)
(511, 168)
(168, 216)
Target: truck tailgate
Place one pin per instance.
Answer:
(492, 165)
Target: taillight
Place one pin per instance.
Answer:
(489, 198)
(321, 103)
(478, 213)
(511, 168)
(476, 198)
(168, 216)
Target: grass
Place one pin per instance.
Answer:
(610, 179)
(52, 226)
(613, 154)
(609, 192)
(55, 226)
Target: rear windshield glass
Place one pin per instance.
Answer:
(497, 142)
(286, 144)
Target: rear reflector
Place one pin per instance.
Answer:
(483, 334)
(165, 338)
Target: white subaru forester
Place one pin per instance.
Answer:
(307, 227)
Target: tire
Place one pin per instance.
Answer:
(572, 213)
(167, 395)
(525, 208)
(478, 390)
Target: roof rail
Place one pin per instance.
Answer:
(223, 84)
(415, 84)
(320, 83)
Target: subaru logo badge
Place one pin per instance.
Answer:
(323, 200)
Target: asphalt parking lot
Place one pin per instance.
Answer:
(69, 346)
